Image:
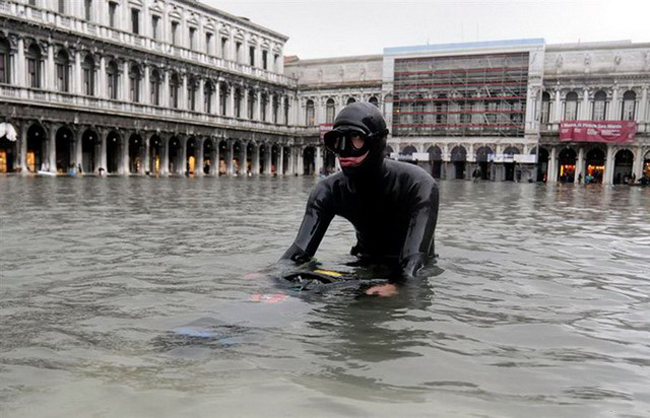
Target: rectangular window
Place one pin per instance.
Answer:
(135, 21)
(251, 56)
(208, 43)
(224, 45)
(155, 27)
(62, 77)
(62, 6)
(628, 110)
(89, 82)
(237, 51)
(571, 110)
(175, 33)
(276, 59)
(265, 59)
(192, 39)
(32, 71)
(112, 12)
(4, 67)
(88, 4)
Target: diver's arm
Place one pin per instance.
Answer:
(318, 216)
(419, 242)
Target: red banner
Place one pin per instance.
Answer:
(607, 131)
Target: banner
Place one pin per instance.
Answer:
(607, 131)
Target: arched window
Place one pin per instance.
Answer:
(62, 63)
(5, 50)
(571, 106)
(330, 110)
(373, 100)
(629, 105)
(310, 120)
(238, 102)
(155, 82)
(264, 105)
(223, 95)
(351, 100)
(174, 85)
(286, 111)
(192, 86)
(546, 107)
(274, 108)
(251, 104)
(111, 80)
(208, 92)
(135, 75)
(89, 72)
(34, 62)
(600, 106)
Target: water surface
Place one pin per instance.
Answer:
(539, 305)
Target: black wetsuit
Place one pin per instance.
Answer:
(394, 210)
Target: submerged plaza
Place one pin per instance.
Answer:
(177, 87)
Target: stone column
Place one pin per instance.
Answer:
(50, 70)
(257, 114)
(231, 102)
(182, 95)
(217, 97)
(125, 82)
(77, 79)
(280, 110)
(124, 168)
(551, 176)
(245, 93)
(216, 162)
(243, 162)
(78, 148)
(23, 149)
(147, 86)
(103, 157)
(101, 78)
(557, 117)
(291, 162)
(641, 113)
(164, 163)
(318, 166)
(613, 111)
(146, 163)
(637, 166)
(580, 166)
(165, 102)
(280, 167)
(608, 175)
(19, 74)
(183, 167)
(51, 149)
(300, 160)
(200, 105)
(229, 158)
(256, 160)
(198, 167)
(585, 106)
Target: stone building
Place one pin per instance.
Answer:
(144, 86)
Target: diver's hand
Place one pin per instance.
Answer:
(384, 290)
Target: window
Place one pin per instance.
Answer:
(134, 84)
(192, 39)
(251, 104)
(351, 100)
(62, 64)
(224, 46)
(373, 100)
(546, 107)
(329, 111)
(173, 91)
(62, 6)
(237, 103)
(600, 106)
(208, 43)
(155, 27)
(310, 113)
(112, 12)
(251, 56)
(263, 107)
(223, 95)
(286, 111)
(34, 59)
(4, 61)
(88, 4)
(175, 33)
(276, 60)
(191, 94)
(88, 68)
(571, 106)
(208, 91)
(155, 81)
(265, 59)
(274, 108)
(237, 51)
(112, 80)
(135, 21)
(629, 105)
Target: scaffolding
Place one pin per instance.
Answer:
(470, 95)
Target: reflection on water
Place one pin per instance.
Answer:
(540, 302)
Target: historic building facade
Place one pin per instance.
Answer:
(176, 87)
(134, 87)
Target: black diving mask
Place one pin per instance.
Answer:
(347, 143)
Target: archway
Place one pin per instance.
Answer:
(567, 164)
(509, 163)
(223, 157)
(458, 159)
(435, 158)
(542, 164)
(264, 149)
(64, 149)
(7, 153)
(90, 151)
(175, 155)
(275, 154)
(190, 155)
(136, 154)
(236, 157)
(482, 163)
(595, 162)
(155, 154)
(36, 157)
(409, 150)
(309, 161)
(208, 156)
(113, 152)
(286, 160)
(250, 158)
(623, 166)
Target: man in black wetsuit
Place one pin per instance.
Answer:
(392, 205)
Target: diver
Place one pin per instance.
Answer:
(392, 205)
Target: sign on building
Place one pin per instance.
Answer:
(605, 131)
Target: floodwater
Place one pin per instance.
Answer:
(539, 305)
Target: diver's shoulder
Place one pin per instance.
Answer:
(409, 170)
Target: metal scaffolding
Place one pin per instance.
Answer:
(470, 95)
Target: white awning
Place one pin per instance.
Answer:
(7, 129)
